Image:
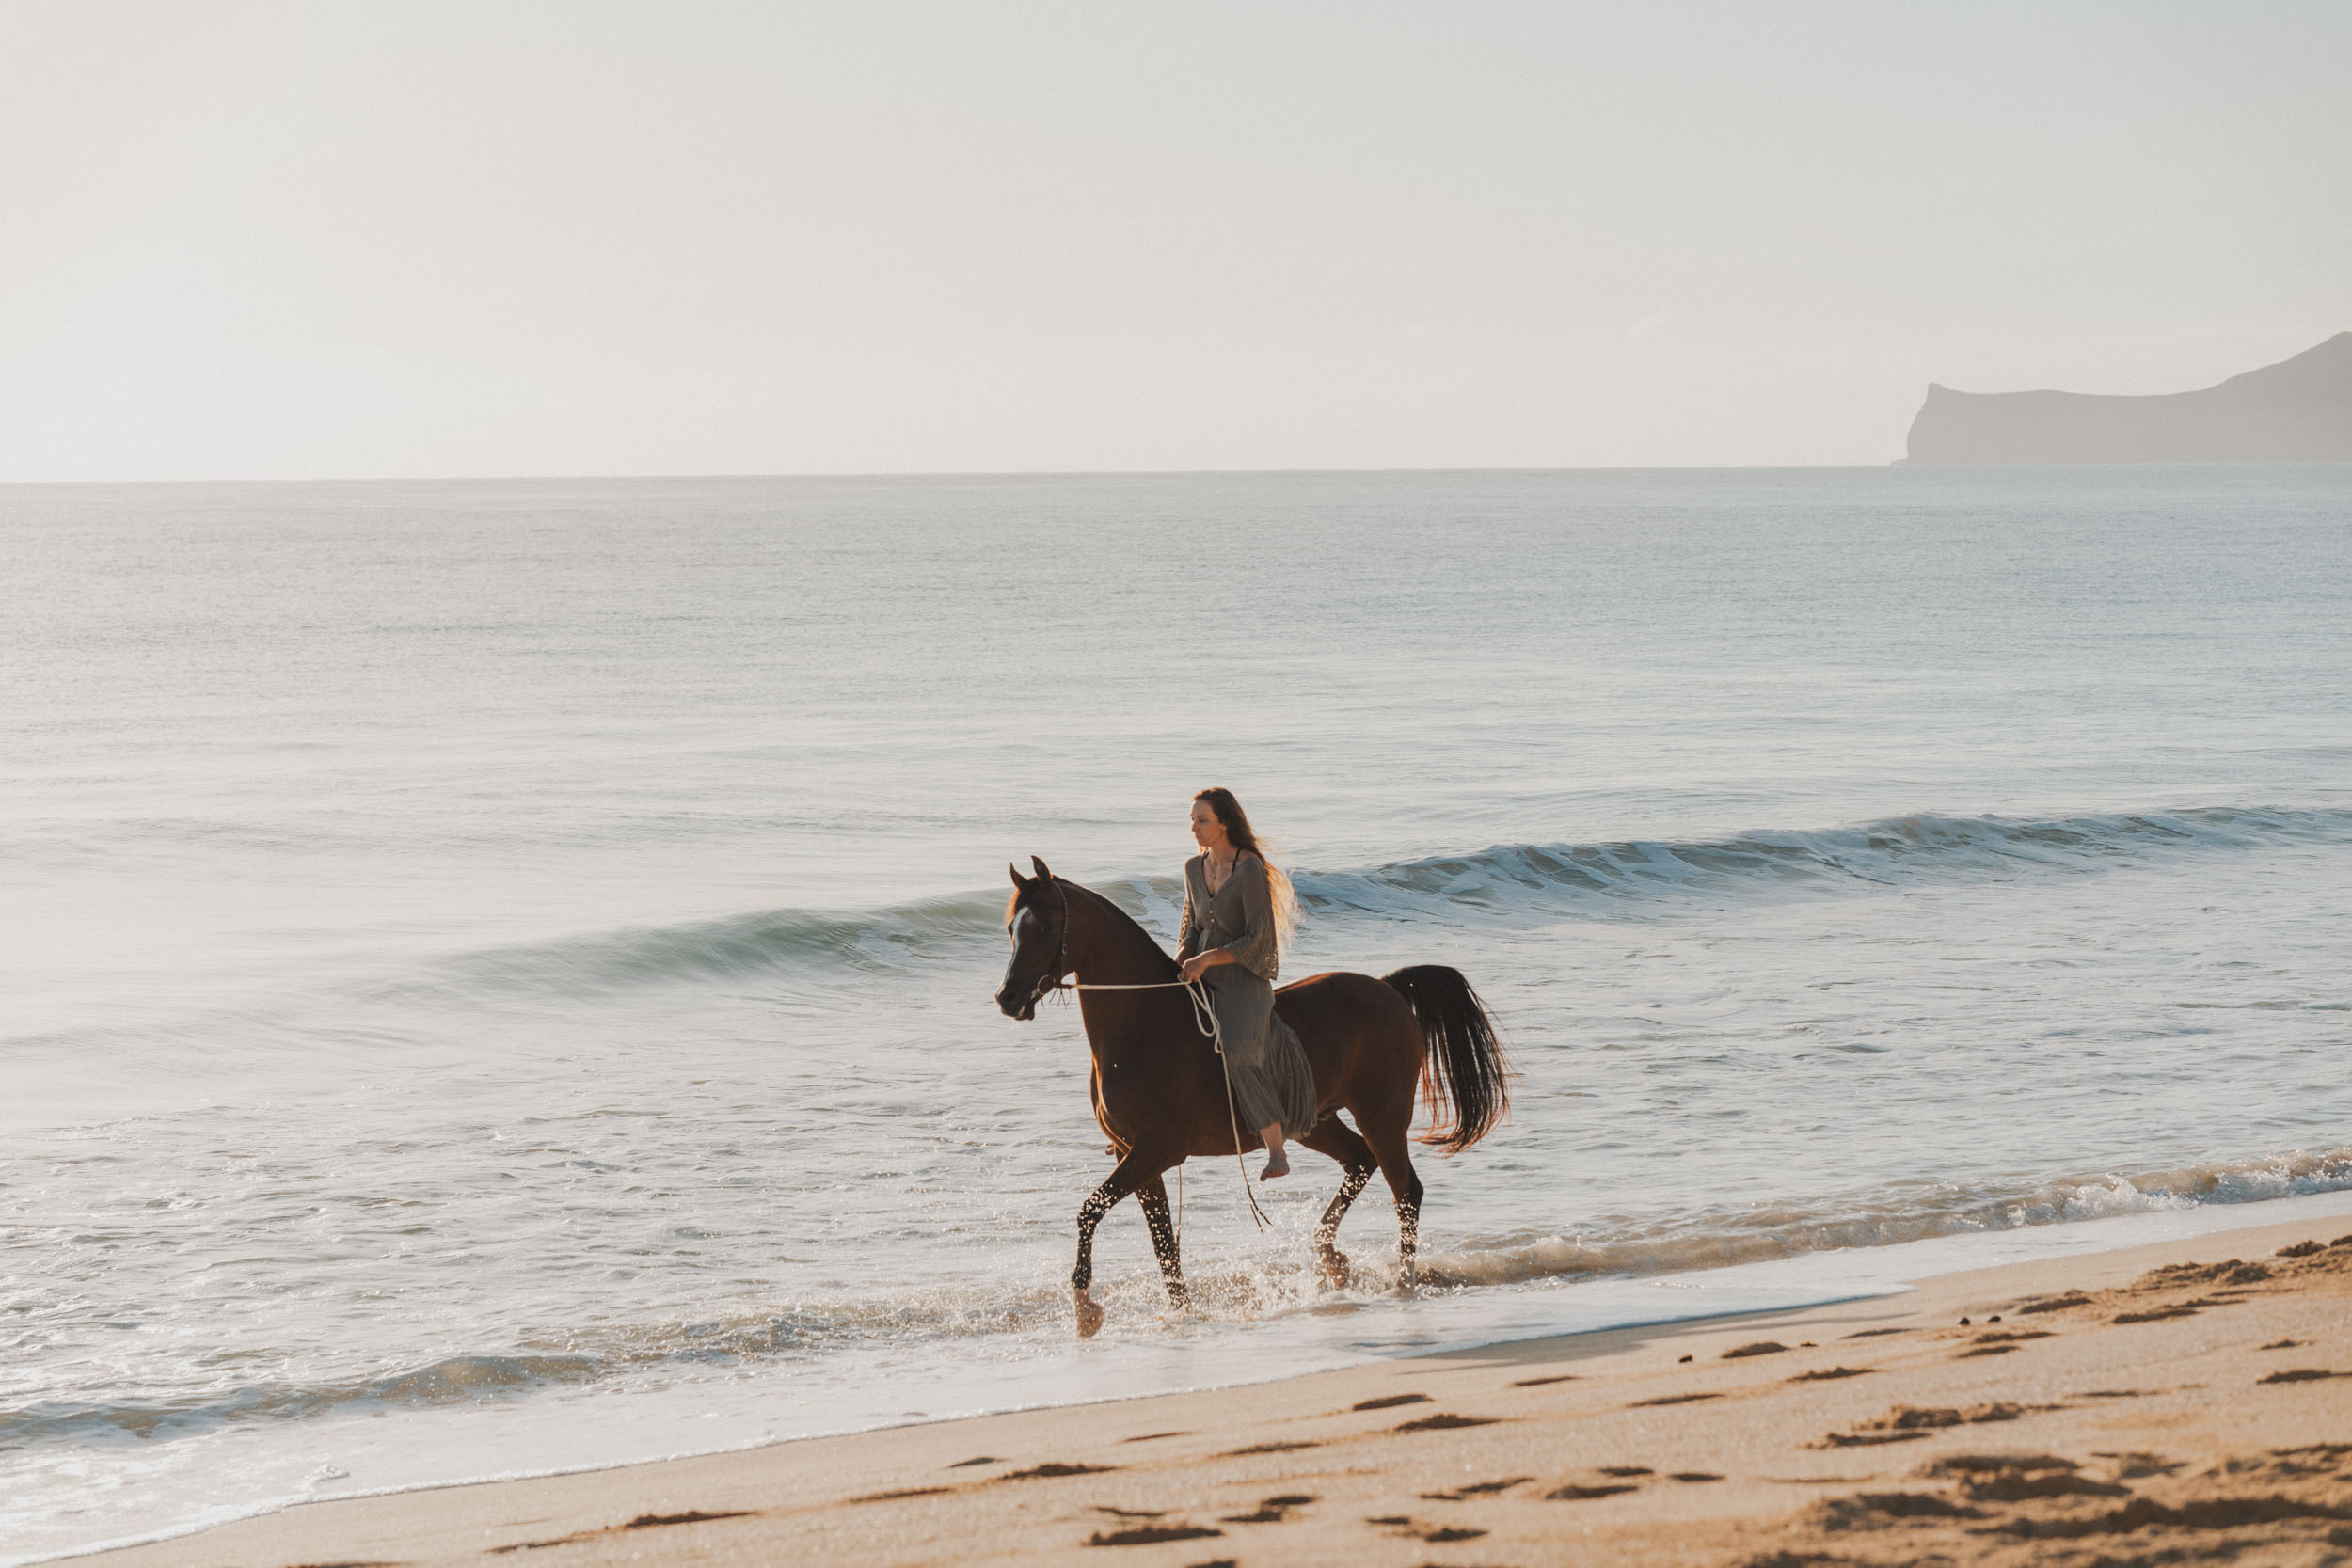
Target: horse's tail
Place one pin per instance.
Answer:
(1466, 1071)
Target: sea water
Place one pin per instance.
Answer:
(495, 976)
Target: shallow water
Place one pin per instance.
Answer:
(496, 975)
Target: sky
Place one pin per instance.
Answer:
(501, 237)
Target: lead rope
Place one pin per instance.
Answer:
(1204, 1018)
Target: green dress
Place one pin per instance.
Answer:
(1272, 1080)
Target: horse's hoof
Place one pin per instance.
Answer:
(1335, 1268)
(1089, 1317)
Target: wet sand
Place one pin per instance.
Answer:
(2184, 1402)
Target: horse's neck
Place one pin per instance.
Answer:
(1108, 949)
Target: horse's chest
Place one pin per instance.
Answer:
(1130, 1098)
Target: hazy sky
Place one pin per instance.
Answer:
(406, 238)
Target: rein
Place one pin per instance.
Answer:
(1203, 1018)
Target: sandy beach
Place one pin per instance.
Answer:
(2177, 1403)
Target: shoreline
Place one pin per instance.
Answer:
(801, 1494)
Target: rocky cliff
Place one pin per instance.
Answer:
(2298, 411)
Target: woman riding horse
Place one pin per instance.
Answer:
(1163, 1092)
(1230, 940)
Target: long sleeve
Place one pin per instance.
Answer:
(1188, 929)
(1257, 949)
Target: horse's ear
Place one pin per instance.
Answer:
(1044, 873)
(1018, 880)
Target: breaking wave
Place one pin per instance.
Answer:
(1519, 880)
(1514, 883)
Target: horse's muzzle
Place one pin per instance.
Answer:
(1019, 1007)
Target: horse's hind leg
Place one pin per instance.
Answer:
(1152, 1196)
(1335, 1138)
(1391, 1147)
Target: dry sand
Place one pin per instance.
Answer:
(2184, 1402)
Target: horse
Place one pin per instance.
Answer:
(1159, 1089)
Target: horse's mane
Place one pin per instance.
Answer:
(1120, 921)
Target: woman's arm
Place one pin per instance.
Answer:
(1255, 948)
(1188, 929)
(1201, 963)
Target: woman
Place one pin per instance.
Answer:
(1236, 912)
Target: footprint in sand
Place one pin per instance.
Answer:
(1405, 1524)
(1390, 1401)
(1572, 1493)
(2158, 1315)
(1539, 1381)
(1476, 1489)
(1907, 1423)
(642, 1521)
(2058, 1303)
(1274, 1511)
(1152, 1535)
(1445, 1423)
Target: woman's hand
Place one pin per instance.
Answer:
(1201, 963)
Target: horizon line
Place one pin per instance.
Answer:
(974, 473)
(1122, 473)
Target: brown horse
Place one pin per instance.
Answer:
(1160, 1090)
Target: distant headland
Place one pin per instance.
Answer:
(2297, 411)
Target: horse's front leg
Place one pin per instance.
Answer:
(1153, 1193)
(1125, 1177)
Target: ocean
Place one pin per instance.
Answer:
(496, 975)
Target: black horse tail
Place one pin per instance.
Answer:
(1466, 1071)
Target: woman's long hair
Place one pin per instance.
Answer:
(1237, 828)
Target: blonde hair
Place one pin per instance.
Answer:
(1245, 839)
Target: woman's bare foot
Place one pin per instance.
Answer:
(1277, 1161)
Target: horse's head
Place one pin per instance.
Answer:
(1037, 920)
